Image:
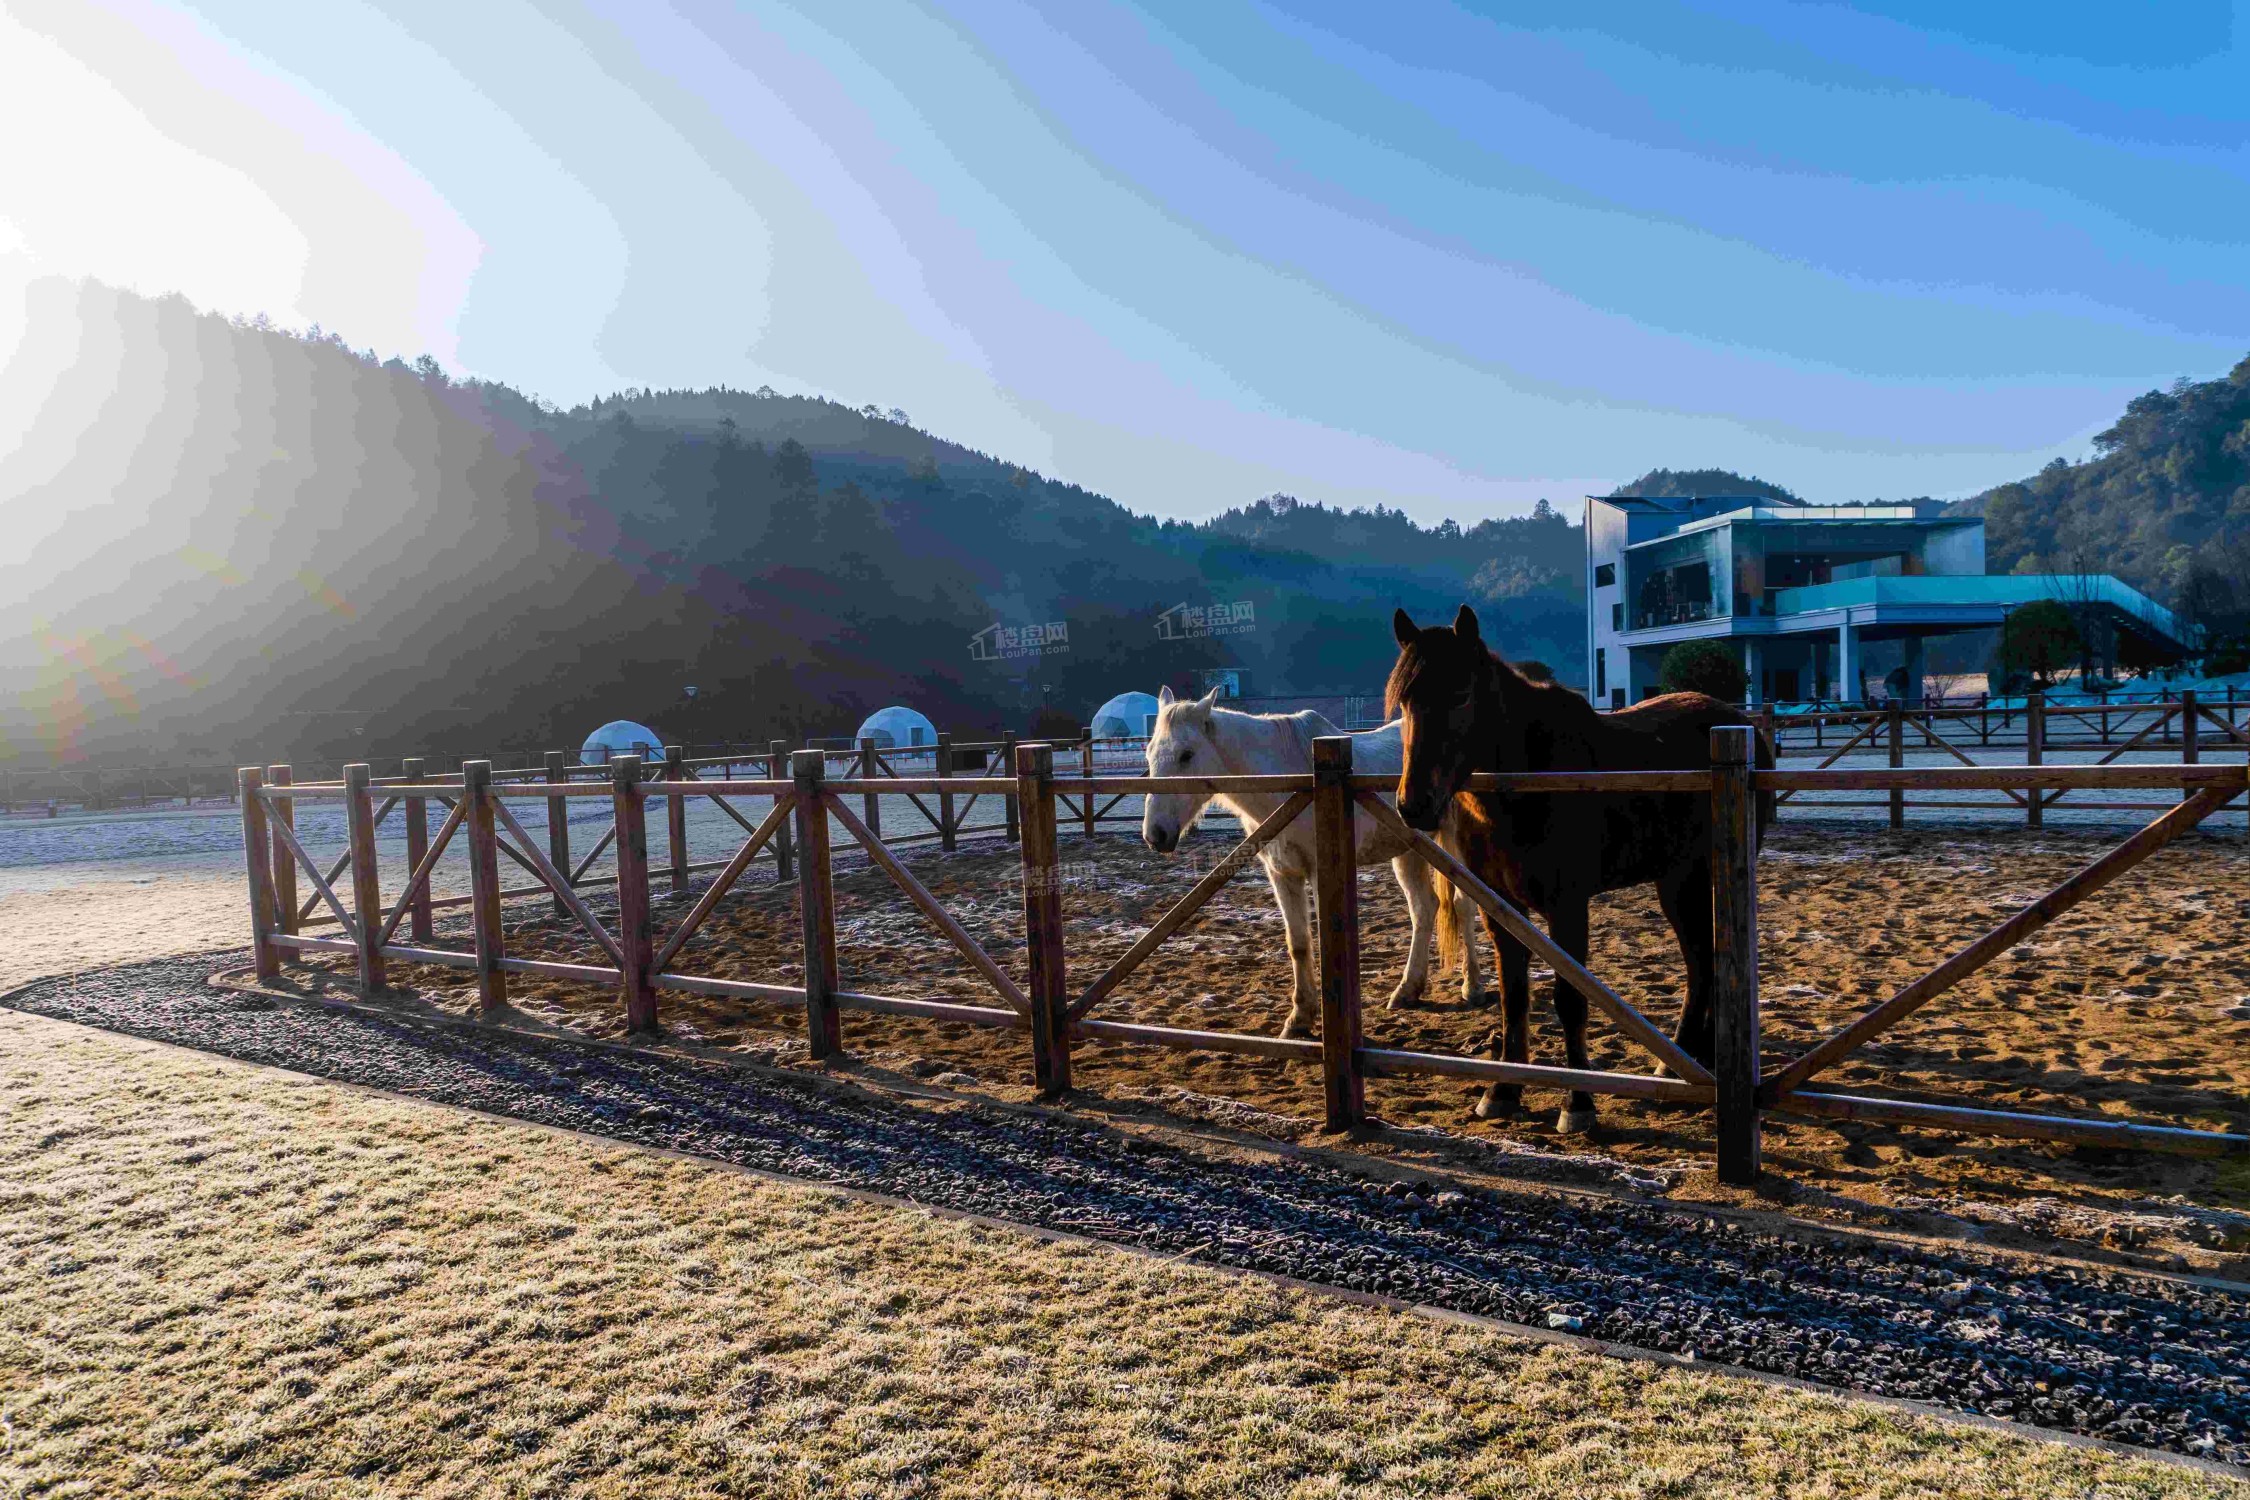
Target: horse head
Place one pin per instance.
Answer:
(1445, 687)
(1181, 744)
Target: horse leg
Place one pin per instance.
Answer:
(1289, 893)
(1568, 924)
(1686, 899)
(1502, 1100)
(1420, 890)
(1464, 920)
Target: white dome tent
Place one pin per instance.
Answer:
(621, 737)
(1126, 716)
(895, 727)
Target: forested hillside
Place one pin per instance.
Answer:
(231, 540)
(236, 541)
(2164, 503)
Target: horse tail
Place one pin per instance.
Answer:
(1451, 945)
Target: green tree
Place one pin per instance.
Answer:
(2038, 640)
(1704, 666)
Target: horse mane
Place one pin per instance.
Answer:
(1303, 726)
(1409, 666)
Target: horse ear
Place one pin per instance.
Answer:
(1402, 626)
(1465, 625)
(1165, 697)
(1208, 700)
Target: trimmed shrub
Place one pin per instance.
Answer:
(2041, 640)
(1704, 666)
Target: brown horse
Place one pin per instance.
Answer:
(1466, 711)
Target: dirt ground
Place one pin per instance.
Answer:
(2137, 1005)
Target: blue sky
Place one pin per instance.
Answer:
(1452, 258)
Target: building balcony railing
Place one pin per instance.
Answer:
(1675, 614)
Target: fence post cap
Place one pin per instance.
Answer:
(1035, 759)
(357, 773)
(1730, 744)
(1332, 754)
(811, 765)
(476, 773)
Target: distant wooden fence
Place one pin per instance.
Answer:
(808, 804)
(99, 787)
(2184, 724)
(1942, 729)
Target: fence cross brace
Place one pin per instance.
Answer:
(783, 805)
(931, 907)
(1525, 931)
(1998, 940)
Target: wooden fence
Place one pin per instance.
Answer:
(2184, 724)
(808, 805)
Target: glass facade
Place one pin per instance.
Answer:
(1679, 580)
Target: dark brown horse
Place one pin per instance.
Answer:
(1467, 711)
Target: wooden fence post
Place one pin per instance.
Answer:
(1086, 764)
(257, 863)
(1734, 955)
(284, 866)
(1898, 759)
(631, 813)
(2035, 752)
(1336, 908)
(675, 817)
(484, 882)
(417, 812)
(367, 892)
(558, 825)
(944, 760)
(816, 899)
(777, 769)
(1042, 920)
(1010, 806)
(2191, 738)
(870, 806)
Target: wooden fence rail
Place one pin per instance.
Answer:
(807, 802)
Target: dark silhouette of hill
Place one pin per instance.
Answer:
(1669, 482)
(241, 542)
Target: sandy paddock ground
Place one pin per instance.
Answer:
(2131, 1007)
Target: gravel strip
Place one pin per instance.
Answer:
(2132, 1359)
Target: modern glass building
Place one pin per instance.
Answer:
(1806, 594)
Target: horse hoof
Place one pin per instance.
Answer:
(1577, 1121)
(1489, 1108)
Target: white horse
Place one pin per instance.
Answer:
(1195, 737)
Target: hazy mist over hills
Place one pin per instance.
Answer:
(232, 540)
(228, 540)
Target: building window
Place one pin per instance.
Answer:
(1617, 617)
(1605, 574)
(1601, 671)
(1616, 697)
(1671, 581)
